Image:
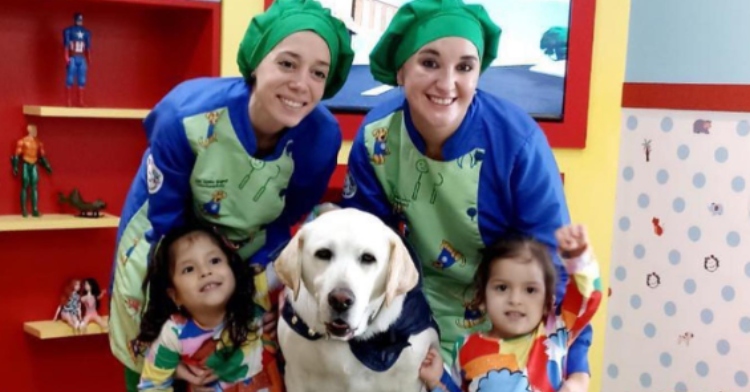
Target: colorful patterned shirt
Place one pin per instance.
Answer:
(250, 368)
(535, 362)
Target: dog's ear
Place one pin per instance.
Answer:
(402, 274)
(288, 265)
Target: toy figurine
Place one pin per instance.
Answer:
(85, 209)
(77, 42)
(69, 309)
(31, 150)
(91, 295)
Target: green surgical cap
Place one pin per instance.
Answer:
(286, 17)
(420, 22)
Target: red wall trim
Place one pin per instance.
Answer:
(713, 97)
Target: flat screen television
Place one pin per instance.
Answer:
(543, 63)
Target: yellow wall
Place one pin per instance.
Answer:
(589, 174)
(235, 16)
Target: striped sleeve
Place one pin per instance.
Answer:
(161, 360)
(583, 294)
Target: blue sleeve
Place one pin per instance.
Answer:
(311, 178)
(87, 37)
(542, 209)
(314, 163)
(169, 171)
(578, 360)
(363, 190)
(539, 200)
(66, 40)
(448, 383)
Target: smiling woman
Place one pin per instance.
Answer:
(287, 84)
(249, 156)
(454, 168)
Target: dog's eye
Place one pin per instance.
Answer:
(324, 254)
(367, 258)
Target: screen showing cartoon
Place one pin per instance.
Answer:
(529, 70)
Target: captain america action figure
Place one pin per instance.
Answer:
(77, 42)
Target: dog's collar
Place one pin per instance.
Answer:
(296, 323)
(302, 329)
(381, 351)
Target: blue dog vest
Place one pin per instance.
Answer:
(381, 351)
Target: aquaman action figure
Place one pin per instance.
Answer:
(30, 150)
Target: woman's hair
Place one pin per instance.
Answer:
(95, 290)
(239, 313)
(519, 247)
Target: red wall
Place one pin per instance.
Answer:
(139, 53)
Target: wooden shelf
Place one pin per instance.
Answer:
(59, 329)
(56, 222)
(75, 112)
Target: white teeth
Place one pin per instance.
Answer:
(441, 101)
(291, 103)
(210, 286)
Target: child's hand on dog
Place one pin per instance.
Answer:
(431, 369)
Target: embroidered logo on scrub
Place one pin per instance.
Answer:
(272, 176)
(380, 150)
(255, 164)
(214, 205)
(154, 176)
(473, 316)
(448, 256)
(423, 168)
(213, 118)
(129, 252)
(350, 186)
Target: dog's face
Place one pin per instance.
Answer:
(351, 264)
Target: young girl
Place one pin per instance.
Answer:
(515, 285)
(92, 294)
(201, 312)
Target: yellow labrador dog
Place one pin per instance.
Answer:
(351, 321)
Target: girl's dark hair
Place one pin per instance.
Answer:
(95, 290)
(516, 246)
(240, 308)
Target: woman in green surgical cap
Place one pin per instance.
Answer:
(249, 156)
(454, 168)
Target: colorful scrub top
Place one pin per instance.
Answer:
(534, 362)
(498, 174)
(249, 368)
(203, 162)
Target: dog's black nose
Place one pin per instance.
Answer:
(340, 299)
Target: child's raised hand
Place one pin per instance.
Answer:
(431, 369)
(572, 240)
